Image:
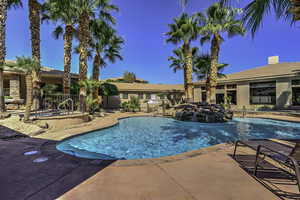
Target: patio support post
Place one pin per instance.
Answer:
(256, 160)
(14, 87)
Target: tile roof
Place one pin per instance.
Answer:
(287, 69)
(149, 87)
(46, 71)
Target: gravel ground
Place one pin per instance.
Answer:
(13, 123)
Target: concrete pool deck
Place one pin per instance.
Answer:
(212, 176)
(204, 174)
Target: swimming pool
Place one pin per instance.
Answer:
(153, 137)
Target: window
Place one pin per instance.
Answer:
(263, 93)
(203, 96)
(295, 82)
(125, 95)
(162, 96)
(141, 96)
(148, 96)
(203, 88)
(232, 96)
(220, 98)
(6, 85)
(231, 86)
(220, 87)
(296, 96)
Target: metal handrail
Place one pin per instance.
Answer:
(64, 103)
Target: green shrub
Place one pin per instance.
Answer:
(131, 106)
(92, 104)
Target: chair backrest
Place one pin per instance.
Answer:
(296, 151)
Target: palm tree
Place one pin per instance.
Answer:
(35, 9)
(88, 10)
(4, 6)
(183, 31)
(29, 66)
(106, 45)
(202, 65)
(183, 4)
(63, 11)
(256, 10)
(218, 20)
(178, 61)
(202, 69)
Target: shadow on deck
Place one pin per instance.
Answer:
(274, 178)
(23, 178)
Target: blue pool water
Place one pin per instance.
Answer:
(153, 137)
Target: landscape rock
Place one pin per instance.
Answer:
(201, 112)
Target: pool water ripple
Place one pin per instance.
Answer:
(153, 137)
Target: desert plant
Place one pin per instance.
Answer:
(92, 104)
(227, 103)
(132, 105)
(125, 106)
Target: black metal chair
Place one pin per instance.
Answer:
(289, 156)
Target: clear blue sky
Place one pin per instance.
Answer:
(143, 23)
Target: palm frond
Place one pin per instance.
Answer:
(25, 64)
(14, 3)
(58, 32)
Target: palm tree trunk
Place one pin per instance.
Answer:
(185, 82)
(68, 38)
(35, 22)
(96, 67)
(29, 87)
(96, 73)
(189, 74)
(213, 75)
(83, 43)
(3, 17)
(295, 9)
(207, 84)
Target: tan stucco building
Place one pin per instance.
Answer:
(14, 80)
(144, 92)
(275, 85)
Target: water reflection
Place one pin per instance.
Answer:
(152, 137)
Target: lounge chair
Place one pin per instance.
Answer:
(284, 154)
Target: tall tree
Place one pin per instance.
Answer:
(217, 21)
(256, 10)
(35, 23)
(4, 6)
(178, 61)
(202, 69)
(106, 45)
(88, 10)
(129, 77)
(182, 32)
(29, 66)
(202, 65)
(63, 12)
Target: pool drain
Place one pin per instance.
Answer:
(29, 153)
(40, 160)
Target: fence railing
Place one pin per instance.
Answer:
(263, 99)
(59, 103)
